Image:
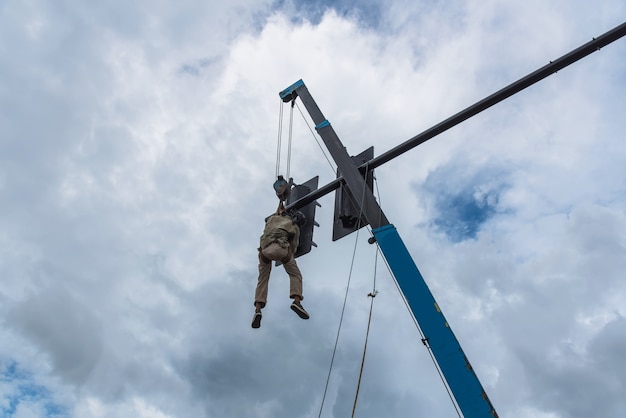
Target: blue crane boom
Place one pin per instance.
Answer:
(460, 377)
(455, 367)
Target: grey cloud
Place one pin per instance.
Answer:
(62, 327)
(136, 167)
(574, 385)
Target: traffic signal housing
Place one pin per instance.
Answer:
(298, 191)
(347, 216)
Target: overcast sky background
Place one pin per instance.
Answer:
(137, 156)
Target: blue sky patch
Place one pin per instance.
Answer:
(25, 389)
(462, 215)
(366, 12)
(461, 202)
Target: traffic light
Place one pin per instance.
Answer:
(347, 216)
(306, 231)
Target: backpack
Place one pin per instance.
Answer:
(275, 252)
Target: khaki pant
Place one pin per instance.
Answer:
(265, 267)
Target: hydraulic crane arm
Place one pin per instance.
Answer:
(456, 368)
(457, 371)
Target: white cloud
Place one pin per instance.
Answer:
(137, 147)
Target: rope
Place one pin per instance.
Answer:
(374, 291)
(332, 167)
(372, 294)
(345, 299)
(424, 339)
(369, 321)
(343, 309)
(290, 138)
(406, 304)
(408, 308)
(280, 134)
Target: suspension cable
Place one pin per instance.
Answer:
(374, 291)
(290, 138)
(278, 151)
(367, 333)
(332, 167)
(423, 338)
(345, 299)
(343, 309)
(372, 294)
(406, 304)
(280, 134)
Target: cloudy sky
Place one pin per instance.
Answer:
(137, 156)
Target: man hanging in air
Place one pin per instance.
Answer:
(279, 243)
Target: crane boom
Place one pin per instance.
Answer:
(528, 80)
(457, 371)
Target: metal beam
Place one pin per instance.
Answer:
(524, 82)
(357, 186)
(316, 194)
(502, 94)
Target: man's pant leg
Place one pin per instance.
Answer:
(265, 268)
(295, 278)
